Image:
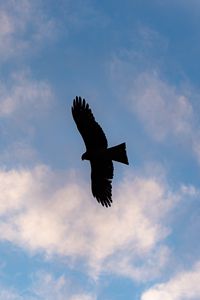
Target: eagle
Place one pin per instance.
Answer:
(97, 151)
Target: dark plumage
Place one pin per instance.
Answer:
(97, 151)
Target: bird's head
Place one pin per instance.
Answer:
(85, 156)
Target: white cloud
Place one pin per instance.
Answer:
(23, 25)
(65, 220)
(183, 286)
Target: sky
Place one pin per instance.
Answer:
(137, 65)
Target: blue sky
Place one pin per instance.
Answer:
(137, 64)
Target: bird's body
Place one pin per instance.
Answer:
(97, 151)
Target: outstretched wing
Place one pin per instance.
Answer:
(90, 130)
(101, 179)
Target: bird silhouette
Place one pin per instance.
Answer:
(97, 151)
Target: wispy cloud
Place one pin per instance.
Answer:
(167, 111)
(9, 294)
(196, 143)
(83, 14)
(18, 153)
(45, 285)
(184, 285)
(24, 102)
(163, 109)
(23, 25)
(24, 96)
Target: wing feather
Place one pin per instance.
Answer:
(90, 130)
(101, 180)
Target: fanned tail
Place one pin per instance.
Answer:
(118, 153)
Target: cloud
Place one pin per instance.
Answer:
(184, 285)
(27, 25)
(167, 111)
(9, 294)
(45, 285)
(162, 109)
(189, 190)
(196, 143)
(64, 220)
(23, 25)
(82, 14)
(18, 153)
(82, 297)
(24, 96)
(25, 104)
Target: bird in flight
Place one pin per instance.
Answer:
(97, 151)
